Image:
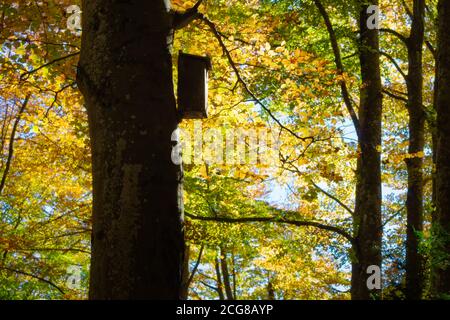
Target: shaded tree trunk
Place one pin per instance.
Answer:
(414, 201)
(270, 291)
(367, 217)
(185, 274)
(125, 75)
(189, 276)
(234, 276)
(441, 252)
(226, 274)
(434, 143)
(219, 280)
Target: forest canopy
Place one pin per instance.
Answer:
(316, 168)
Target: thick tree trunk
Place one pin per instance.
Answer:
(125, 74)
(367, 220)
(441, 260)
(414, 201)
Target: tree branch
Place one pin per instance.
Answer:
(11, 143)
(432, 49)
(396, 65)
(397, 34)
(181, 20)
(395, 214)
(55, 99)
(339, 65)
(408, 11)
(194, 270)
(297, 223)
(213, 28)
(33, 276)
(26, 75)
(209, 286)
(395, 96)
(343, 205)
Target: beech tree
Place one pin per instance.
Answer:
(125, 74)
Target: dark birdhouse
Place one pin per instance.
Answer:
(193, 86)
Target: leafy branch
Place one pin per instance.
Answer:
(298, 223)
(339, 65)
(33, 276)
(233, 65)
(26, 75)
(11, 142)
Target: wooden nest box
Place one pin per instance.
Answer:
(193, 86)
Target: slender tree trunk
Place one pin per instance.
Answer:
(433, 187)
(226, 274)
(434, 144)
(441, 259)
(219, 280)
(270, 291)
(414, 201)
(367, 220)
(234, 276)
(185, 274)
(125, 74)
(434, 137)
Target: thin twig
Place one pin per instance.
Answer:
(33, 276)
(26, 75)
